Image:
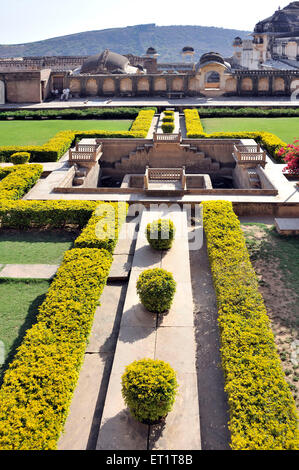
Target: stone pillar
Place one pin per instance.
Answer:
(287, 85)
(134, 85)
(117, 86)
(255, 85)
(151, 86)
(185, 84)
(83, 87)
(270, 78)
(100, 86)
(239, 85)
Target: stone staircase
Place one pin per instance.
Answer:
(173, 156)
(80, 175)
(200, 158)
(136, 160)
(254, 179)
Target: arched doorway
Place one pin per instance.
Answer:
(2, 92)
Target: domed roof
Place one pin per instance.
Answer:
(187, 49)
(151, 51)
(106, 61)
(282, 21)
(212, 58)
(237, 41)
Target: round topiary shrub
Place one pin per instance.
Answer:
(149, 389)
(160, 234)
(168, 119)
(19, 158)
(167, 127)
(156, 289)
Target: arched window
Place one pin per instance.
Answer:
(213, 77)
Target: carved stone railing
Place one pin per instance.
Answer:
(85, 152)
(167, 138)
(164, 174)
(249, 154)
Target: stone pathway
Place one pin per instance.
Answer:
(214, 411)
(167, 337)
(28, 271)
(156, 101)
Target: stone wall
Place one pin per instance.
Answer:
(22, 87)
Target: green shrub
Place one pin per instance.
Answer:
(167, 127)
(156, 289)
(19, 180)
(160, 234)
(149, 389)
(168, 112)
(20, 158)
(39, 214)
(262, 410)
(103, 227)
(38, 385)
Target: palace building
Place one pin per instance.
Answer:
(267, 65)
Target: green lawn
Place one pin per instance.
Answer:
(19, 305)
(34, 247)
(285, 128)
(39, 132)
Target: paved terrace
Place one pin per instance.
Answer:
(169, 337)
(156, 101)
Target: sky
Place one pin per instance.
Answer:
(24, 21)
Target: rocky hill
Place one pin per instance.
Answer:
(168, 41)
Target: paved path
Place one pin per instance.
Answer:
(156, 101)
(28, 271)
(214, 412)
(167, 337)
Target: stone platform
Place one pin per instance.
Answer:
(167, 337)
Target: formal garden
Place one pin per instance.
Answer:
(47, 324)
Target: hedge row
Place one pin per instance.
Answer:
(247, 112)
(143, 122)
(62, 141)
(49, 214)
(193, 124)
(270, 142)
(18, 180)
(86, 113)
(262, 409)
(103, 227)
(38, 386)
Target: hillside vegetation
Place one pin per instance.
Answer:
(168, 41)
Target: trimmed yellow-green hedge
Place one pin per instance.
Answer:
(270, 142)
(47, 214)
(103, 227)
(262, 409)
(193, 124)
(18, 180)
(62, 141)
(38, 386)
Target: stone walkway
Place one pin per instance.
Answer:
(28, 271)
(156, 101)
(214, 411)
(167, 337)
